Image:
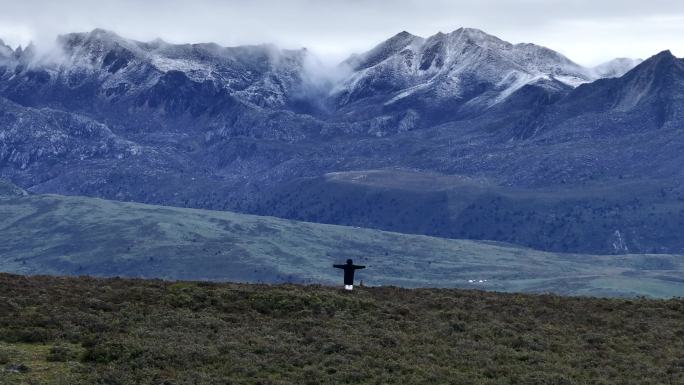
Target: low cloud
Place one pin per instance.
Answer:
(588, 31)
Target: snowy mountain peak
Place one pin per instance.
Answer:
(382, 51)
(474, 32)
(460, 73)
(99, 47)
(96, 38)
(479, 37)
(466, 66)
(403, 35)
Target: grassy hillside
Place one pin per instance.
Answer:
(86, 236)
(620, 217)
(87, 331)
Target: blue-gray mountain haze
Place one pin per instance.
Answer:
(458, 135)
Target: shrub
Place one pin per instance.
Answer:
(4, 357)
(60, 353)
(17, 368)
(276, 335)
(106, 352)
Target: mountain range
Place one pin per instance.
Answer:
(458, 135)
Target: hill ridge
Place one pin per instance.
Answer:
(50, 234)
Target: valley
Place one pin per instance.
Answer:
(61, 235)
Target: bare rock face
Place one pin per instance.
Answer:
(619, 243)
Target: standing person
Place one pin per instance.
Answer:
(349, 269)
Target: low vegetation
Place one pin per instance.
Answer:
(62, 235)
(116, 331)
(589, 218)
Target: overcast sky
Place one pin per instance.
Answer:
(587, 31)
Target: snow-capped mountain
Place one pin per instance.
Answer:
(157, 86)
(260, 75)
(200, 125)
(404, 83)
(452, 76)
(466, 66)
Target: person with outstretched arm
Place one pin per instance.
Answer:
(349, 269)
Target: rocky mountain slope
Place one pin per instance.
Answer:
(624, 217)
(204, 126)
(650, 97)
(449, 76)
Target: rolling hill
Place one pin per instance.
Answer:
(50, 234)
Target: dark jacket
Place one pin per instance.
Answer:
(349, 269)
